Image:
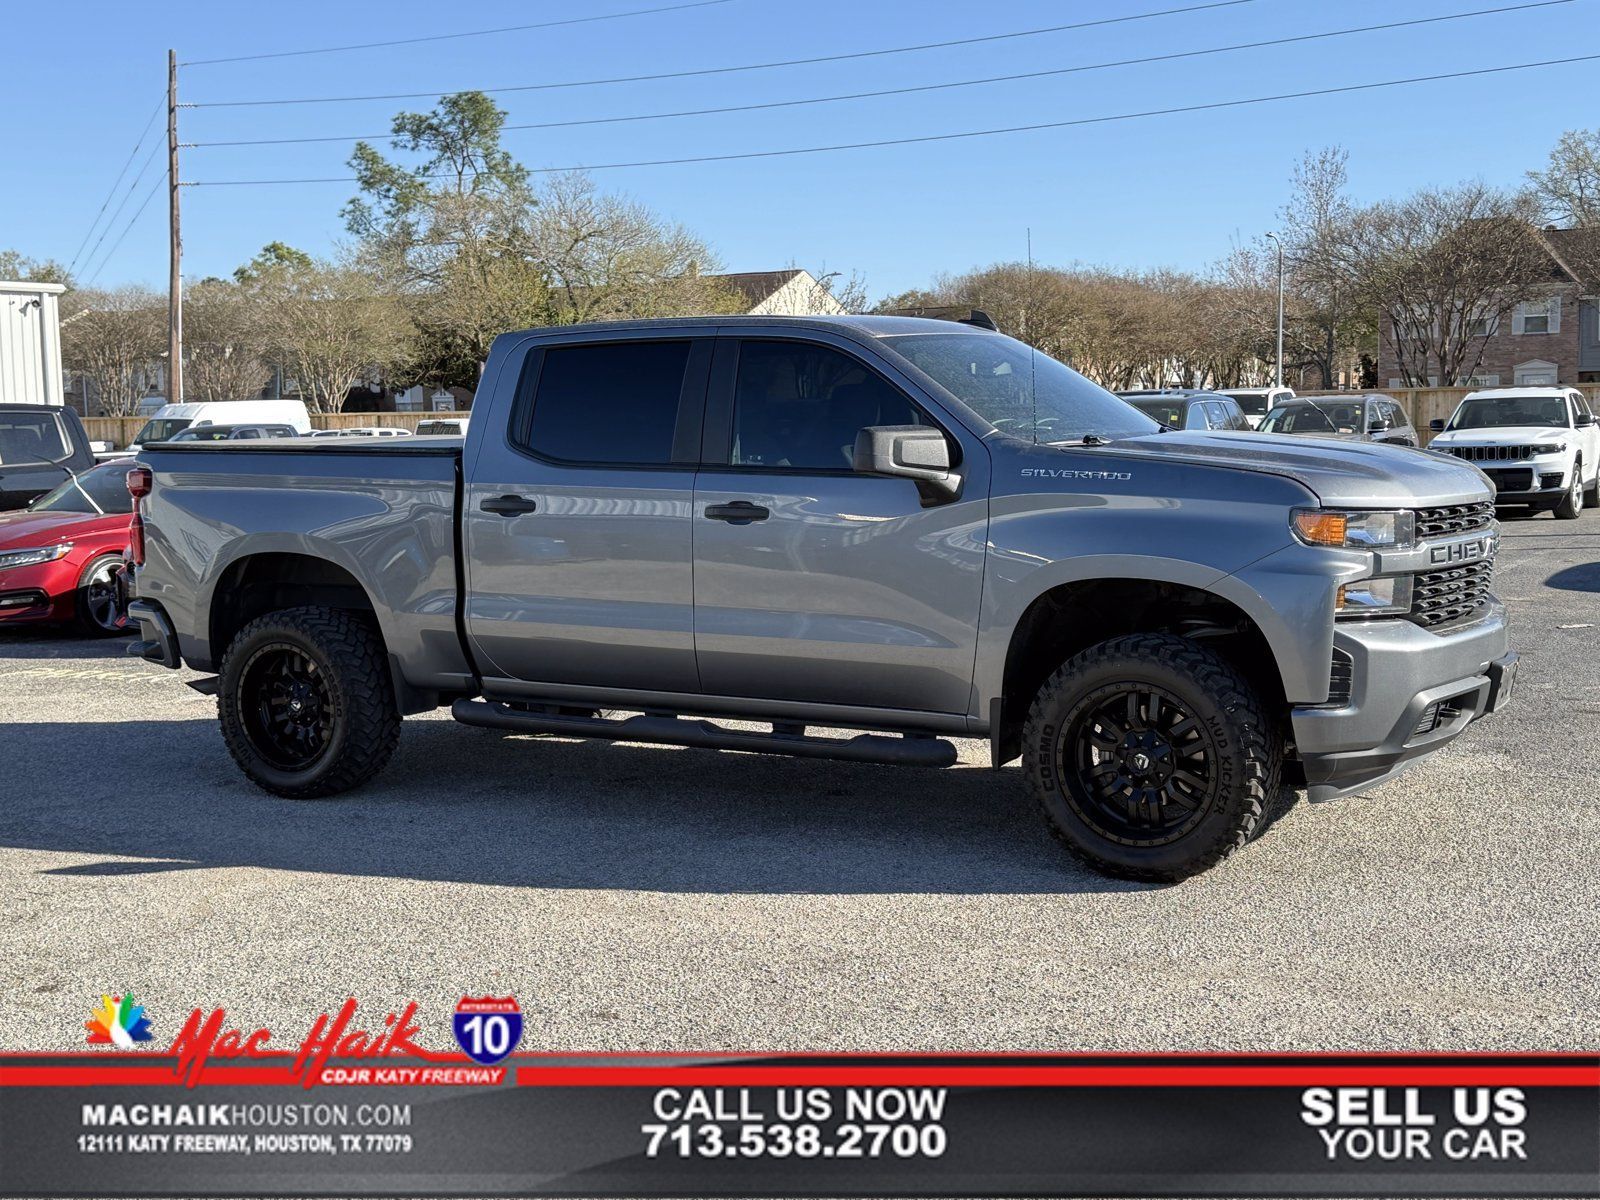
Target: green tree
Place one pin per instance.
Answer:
(15, 265)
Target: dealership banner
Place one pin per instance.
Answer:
(353, 1111)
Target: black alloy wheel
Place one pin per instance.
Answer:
(1139, 767)
(287, 708)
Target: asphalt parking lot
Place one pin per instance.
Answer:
(655, 898)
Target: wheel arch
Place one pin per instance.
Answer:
(1073, 614)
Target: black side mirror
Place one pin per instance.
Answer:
(1378, 426)
(1437, 425)
(1584, 420)
(917, 452)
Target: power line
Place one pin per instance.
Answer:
(949, 137)
(112, 191)
(132, 221)
(445, 37)
(123, 203)
(764, 66)
(929, 87)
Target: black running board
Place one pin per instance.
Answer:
(911, 750)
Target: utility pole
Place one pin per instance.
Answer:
(1277, 369)
(175, 243)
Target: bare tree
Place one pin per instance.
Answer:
(329, 326)
(1567, 192)
(609, 257)
(116, 339)
(223, 340)
(1442, 268)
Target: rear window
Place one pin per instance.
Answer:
(1168, 412)
(161, 430)
(103, 489)
(1253, 403)
(31, 437)
(614, 403)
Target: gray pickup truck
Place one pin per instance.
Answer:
(917, 529)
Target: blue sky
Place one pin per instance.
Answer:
(1170, 190)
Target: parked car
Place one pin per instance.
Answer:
(912, 527)
(443, 427)
(1367, 418)
(1189, 409)
(173, 419)
(59, 556)
(1258, 402)
(1540, 446)
(380, 431)
(232, 433)
(40, 445)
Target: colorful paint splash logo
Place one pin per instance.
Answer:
(118, 1022)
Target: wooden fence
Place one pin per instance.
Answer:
(119, 431)
(1428, 404)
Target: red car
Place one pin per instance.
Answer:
(59, 556)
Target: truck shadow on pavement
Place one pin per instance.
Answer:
(466, 805)
(1584, 577)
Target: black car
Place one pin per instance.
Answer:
(40, 445)
(1189, 408)
(232, 433)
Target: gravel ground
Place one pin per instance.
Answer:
(653, 898)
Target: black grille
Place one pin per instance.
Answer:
(1442, 597)
(1453, 518)
(1341, 678)
(1496, 453)
(1516, 479)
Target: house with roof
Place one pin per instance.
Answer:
(1548, 340)
(791, 293)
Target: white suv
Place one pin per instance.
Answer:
(1540, 446)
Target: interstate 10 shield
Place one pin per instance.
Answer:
(487, 1028)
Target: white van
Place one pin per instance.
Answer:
(173, 418)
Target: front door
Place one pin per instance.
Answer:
(814, 583)
(577, 524)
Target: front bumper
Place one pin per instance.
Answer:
(1533, 483)
(42, 593)
(1412, 692)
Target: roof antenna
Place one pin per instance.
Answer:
(1033, 368)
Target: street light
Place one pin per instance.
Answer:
(1277, 368)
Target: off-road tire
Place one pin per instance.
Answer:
(1570, 507)
(364, 721)
(83, 619)
(1248, 750)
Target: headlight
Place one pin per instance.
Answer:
(1356, 529)
(1558, 448)
(1384, 596)
(32, 558)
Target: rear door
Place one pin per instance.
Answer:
(576, 519)
(814, 583)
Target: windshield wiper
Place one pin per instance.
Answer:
(1088, 439)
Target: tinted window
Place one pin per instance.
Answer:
(31, 437)
(1017, 390)
(1235, 416)
(1168, 412)
(609, 403)
(103, 489)
(800, 406)
(160, 431)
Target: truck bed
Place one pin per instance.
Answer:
(382, 513)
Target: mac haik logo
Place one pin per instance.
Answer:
(118, 1022)
(208, 1036)
(487, 1028)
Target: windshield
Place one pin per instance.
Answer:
(1168, 412)
(103, 489)
(1489, 413)
(1342, 417)
(161, 430)
(1019, 391)
(1253, 403)
(32, 437)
